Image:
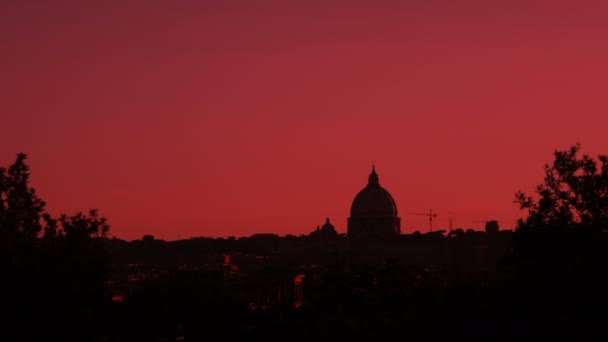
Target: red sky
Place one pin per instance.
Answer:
(219, 118)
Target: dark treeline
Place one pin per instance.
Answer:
(52, 269)
(63, 278)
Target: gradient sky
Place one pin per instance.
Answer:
(219, 118)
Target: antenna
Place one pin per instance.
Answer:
(430, 215)
(450, 214)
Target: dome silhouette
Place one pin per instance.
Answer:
(373, 200)
(328, 228)
(373, 212)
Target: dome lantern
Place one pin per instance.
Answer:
(373, 177)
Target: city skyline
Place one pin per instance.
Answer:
(208, 119)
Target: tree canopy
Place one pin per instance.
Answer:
(20, 207)
(23, 216)
(54, 267)
(573, 194)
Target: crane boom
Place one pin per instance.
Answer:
(430, 215)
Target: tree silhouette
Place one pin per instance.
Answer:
(53, 269)
(574, 193)
(20, 207)
(560, 251)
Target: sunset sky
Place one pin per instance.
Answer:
(218, 118)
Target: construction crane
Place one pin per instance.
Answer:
(431, 215)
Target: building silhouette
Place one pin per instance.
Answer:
(328, 228)
(373, 213)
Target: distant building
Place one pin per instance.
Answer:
(328, 228)
(326, 231)
(491, 227)
(373, 213)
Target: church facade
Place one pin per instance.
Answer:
(373, 213)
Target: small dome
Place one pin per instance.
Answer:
(373, 201)
(328, 228)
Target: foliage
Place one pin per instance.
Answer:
(54, 267)
(574, 193)
(76, 226)
(22, 212)
(559, 252)
(20, 207)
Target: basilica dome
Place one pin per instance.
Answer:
(373, 212)
(373, 200)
